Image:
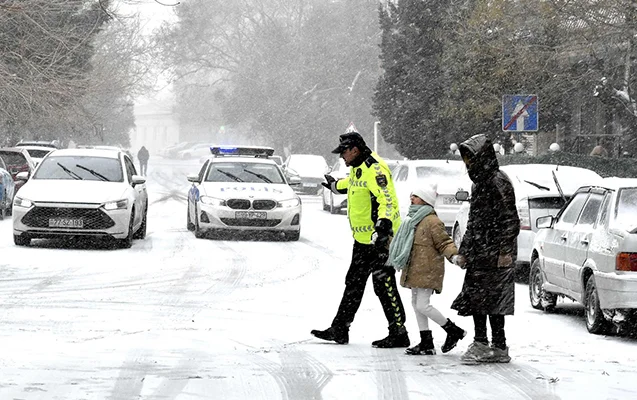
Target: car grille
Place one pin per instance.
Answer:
(238, 204)
(263, 204)
(244, 204)
(266, 223)
(38, 217)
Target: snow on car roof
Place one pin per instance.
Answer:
(106, 153)
(617, 183)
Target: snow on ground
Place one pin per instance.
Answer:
(176, 317)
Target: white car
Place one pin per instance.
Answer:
(81, 192)
(588, 253)
(241, 189)
(536, 195)
(195, 151)
(311, 168)
(37, 153)
(449, 175)
(332, 202)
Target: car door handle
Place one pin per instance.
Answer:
(564, 237)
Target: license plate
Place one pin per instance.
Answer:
(309, 185)
(66, 223)
(250, 214)
(449, 200)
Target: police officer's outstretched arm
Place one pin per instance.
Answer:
(336, 186)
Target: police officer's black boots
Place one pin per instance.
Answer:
(454, 333)
(425, 347)
(339, 335)
(397, 338)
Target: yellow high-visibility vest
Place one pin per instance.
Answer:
(370, 196)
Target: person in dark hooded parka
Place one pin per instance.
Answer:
(488, 251)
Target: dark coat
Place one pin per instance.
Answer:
(142, 154)
(492, 230)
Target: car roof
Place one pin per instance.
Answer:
(618, 183)
(105, 153)
(427, 162)
(37, 147)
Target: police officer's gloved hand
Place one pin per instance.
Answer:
(330, 180)
(382, 231)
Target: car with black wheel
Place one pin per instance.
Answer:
(588, 253)
(82, 193)
(241, 189)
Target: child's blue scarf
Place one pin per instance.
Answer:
(400, 247)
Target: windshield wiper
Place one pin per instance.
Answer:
(71, 173)
(537, 185)
(258, 175)
(94, 173)
(229, 175)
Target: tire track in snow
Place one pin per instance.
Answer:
(299, 376)
(390, 380)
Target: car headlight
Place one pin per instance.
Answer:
(289, 203)
(213, 201)
(116, 205)
(20, 202)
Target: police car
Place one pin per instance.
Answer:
(243, 189)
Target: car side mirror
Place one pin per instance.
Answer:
(22, 176)
(138, 180)
(462, 195)
(294, 180)
(194, 178)
(544, 222)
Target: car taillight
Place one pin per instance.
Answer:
(626, 262)
(524, 214)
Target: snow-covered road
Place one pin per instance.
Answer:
(176, 317)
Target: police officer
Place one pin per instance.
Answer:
(372, 209)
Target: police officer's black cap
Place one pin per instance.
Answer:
(349, 140)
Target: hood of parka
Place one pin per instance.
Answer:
(483, 163)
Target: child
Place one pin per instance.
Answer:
(418, 249)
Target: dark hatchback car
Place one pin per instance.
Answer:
(17, 160)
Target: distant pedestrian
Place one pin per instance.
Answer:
(143, 156)
(419, 250)
(488, 252)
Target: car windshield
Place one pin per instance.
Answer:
(626, 214)
(244, 172)
(13, 159)
(37, 153)
(81, 168)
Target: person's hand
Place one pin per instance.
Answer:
(505, 260)
(382, 231)
(330, 180)
(459, 260)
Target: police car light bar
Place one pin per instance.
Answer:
(255, 151)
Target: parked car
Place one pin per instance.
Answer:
(241, 189)
(17, 160)
(82, 192)
(449, 175)
(194, 151)
(588, 253)
(7, 190)
(334, 203)
(37, 153)
(311, 168)
(536, 194)
(54, 144)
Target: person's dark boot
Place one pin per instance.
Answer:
(334, 334)
(425, 347)
(396, 338)
(454, 334)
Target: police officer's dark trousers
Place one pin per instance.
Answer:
(368, 259)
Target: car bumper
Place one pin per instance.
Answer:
(617, 290)
(34, 222)
(277, 219)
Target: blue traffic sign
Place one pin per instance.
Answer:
(519, 113)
